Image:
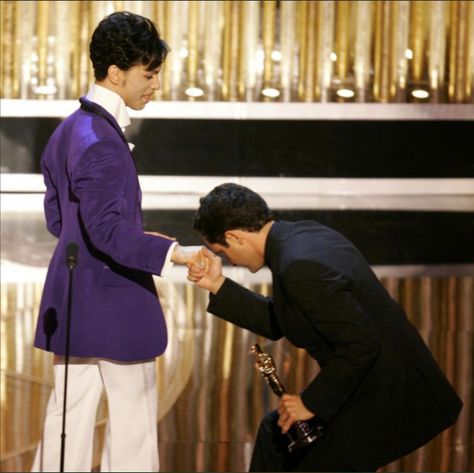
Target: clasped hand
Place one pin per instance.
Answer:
(290, 410)
(206, 270)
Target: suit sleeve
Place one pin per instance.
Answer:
(52, 210)
(326, 300)
(246, 309)
(100, 182)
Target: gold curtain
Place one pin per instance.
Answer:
(370, 50)
(209, 392)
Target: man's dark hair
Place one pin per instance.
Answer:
(230, 207)
(125, 39)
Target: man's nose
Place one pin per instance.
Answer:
(155, 83)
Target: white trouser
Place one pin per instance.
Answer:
(131, 439)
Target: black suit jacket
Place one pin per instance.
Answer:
(380, 391)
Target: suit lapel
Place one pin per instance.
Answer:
(92, 107)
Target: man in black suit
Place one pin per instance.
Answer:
(380, 393)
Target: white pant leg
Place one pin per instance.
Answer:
(83, 396)
(131, 441)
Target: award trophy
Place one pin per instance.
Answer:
(301, 433)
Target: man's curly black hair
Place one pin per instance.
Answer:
(125, 39)
(230, 207)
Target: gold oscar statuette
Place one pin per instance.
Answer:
(301, 433)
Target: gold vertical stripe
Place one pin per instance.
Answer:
(93, 20)
(167, 35)
(268, 38)
(287, 45)
(437, 49)
(325, 46)
(242, 54)
(399, 45)
(453, 44)
(302, 28)
(469, 65)
(212, 47)
(226, 51)
(75, 45)
(311, 48)
(234, 49)
(461, 53)
(42, 35)
(231, 47)
(343, 9)
(158, 16)
(7, 19)
(418, 21)
(382, 51)
(192, 60)
(364, 19)
(16, 41)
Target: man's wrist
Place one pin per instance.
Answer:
(217, 284)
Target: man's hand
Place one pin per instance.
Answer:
(291, 409)
(189, 255)
(208, 274)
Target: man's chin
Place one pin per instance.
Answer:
(140, 106)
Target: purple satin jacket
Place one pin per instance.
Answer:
(93, 198)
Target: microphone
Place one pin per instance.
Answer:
(71, 254)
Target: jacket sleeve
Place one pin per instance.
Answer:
(99, 181)
(325, 298)
(246, 309)
(51, 203)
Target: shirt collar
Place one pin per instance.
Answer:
(110, 101)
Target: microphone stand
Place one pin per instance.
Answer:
(71, 261)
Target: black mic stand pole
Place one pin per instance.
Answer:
(71, 261)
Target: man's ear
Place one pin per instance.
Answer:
(115, 74)
(232, 236)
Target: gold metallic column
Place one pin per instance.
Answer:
(17, 50)
(26, 28)
(231, 50)
(400, 17)
(42, 17)
(214, 12)
(382, 51)
(459, 51)
(85, 33)
(364, 19)
(343, 12)
(242, 66)
(158, 16)
(94, 16)
(268, 40)
(324, 71)
(464, 374)
(302, 28)
(418, 24)
(174, 28)
(62, 56)
(8, 41)
(469, 89)
(310, 61)
(287, 47)
(437, 49)
(75, 51)
(192, 59)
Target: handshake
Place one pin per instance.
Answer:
(204, 267)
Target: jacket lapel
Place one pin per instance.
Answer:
(92, 107)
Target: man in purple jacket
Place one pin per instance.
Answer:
(93, 198)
